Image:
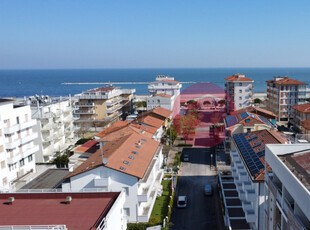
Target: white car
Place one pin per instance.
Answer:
(182, 202)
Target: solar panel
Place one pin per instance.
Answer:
(252, 139)
(244, 115)
(261, 154)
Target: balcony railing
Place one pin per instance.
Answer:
(17, 127)
(84, 112)
(85, 105)
(33, 227)
(114, 109)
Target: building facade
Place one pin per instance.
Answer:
(102, 106)
(287, 187)
(55, 126)
(239, 88)
(301, 116)
(17, 143)
(282, 94)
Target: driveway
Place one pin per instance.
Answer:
(203, 212)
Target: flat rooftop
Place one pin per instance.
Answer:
(50, 179)
(85, 211)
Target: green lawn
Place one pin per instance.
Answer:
(160, 209)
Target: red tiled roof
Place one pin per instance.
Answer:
(102, 89)
(306, 124)
(287, 81)
(236, 78)
(162, 112)
(145, 128)
(116, 126)
(84, 211)
(90, 147)
(163, 95)
(118, 151)
(303, 159)
(253, 109)
(152, 121)
(304, 108)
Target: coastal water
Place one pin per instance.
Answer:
(20, 83)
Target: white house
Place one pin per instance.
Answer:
(131, 161)
(163, 100)
(288, 187)
(248, 169)
(239, 88)
(55, 126)
(63, 210)
(17, 143)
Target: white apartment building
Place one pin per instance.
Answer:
(102, 106)
(248, 169)
(17, 143)
(288, 187)
(55, 126)
(239, 89)
(164, 92)
(282, 94)
(131, 162)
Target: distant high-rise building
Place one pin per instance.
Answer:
(103, 106)
(282, 94)
(239, 89)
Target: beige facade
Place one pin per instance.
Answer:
(103, 106)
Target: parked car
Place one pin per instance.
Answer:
(186, 158)
(208, 191)
(182, 202)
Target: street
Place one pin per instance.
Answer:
(203, 212)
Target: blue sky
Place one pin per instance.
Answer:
(154, 34)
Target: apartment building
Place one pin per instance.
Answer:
(248, 170)
(127, 159)
(17, 143)
(301, 116)
(282, 94)
(239, 88)
(164, 92)
(63, 210)
(102, 106)
(288, 187)
(55, 126)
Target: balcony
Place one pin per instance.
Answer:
(246, 185)
(113, 102)
(15, 143)
(250, 216)
(82, 105)
(24, 154)
(34, 227)
(84, 112)
(250, 195)
(17, 127)
(240, 169)
(243, 176)
(247, 205)
(114, 109)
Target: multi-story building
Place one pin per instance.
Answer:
(287, 187)
(282, 94)
(127, 159)
(301, 115)
(60, 210)
(17, 138)
(248, 169)
(55, 126)
(164, 92)
(239, 88)
(102, 106)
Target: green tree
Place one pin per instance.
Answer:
(257, 101)
(141, 104)
(61, 161)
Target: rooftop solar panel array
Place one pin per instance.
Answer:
(244, 115)
(251, 158)
(231, 120)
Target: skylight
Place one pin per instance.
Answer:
(131, 157)
(122, 168)
(134, 152)
(126, 162)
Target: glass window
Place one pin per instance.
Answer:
(30, 158)
(21, 163)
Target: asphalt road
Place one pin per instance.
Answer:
(203, 212)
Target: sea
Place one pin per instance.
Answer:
(25, 83)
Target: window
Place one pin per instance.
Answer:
(240, 84)
(240, 105)
(4, 181)
(2, 164)
(158, 101)
(30, 158)
(248, 130)
(240, 91)
(240, 98)
(127, 211)
(21, 163)
(17, 120)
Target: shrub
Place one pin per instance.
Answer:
(83, 141)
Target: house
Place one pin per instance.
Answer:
(257, 110)
(103, 106)
(239, 89)
(301, 118)
(17, 143)
(282, 94)
(288, 186)
(248, 171)
(55, 126)
(63, 210)
(130, 160)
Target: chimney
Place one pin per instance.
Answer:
(68, 199)
(11, 200)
